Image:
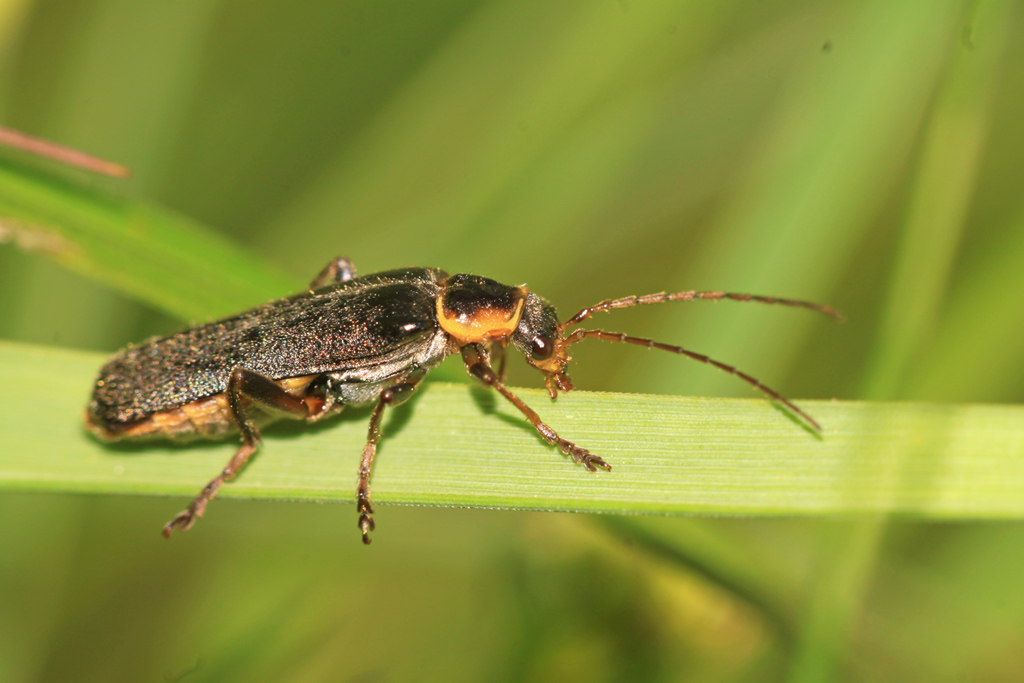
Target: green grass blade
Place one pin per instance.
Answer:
(830, 155)
(159, 257)
(940, 197)
(941, 193)
(671, 454)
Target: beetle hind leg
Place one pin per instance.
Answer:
(260, 391)
(187, 517)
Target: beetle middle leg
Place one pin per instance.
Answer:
(476, 363)
(394, 395)
(267, 395)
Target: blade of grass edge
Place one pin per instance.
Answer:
(164, 259)
(459, 446)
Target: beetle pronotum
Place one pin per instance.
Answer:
(351, 340)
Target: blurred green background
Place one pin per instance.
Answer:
(866, 154)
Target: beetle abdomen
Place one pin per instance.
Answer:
(205, 418)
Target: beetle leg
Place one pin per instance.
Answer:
(260, 391)
(476, 364)
(394, 395)
(498, 351)
(338, 270)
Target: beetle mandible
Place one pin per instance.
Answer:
(351, 340)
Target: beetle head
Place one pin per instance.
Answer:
(540, 339)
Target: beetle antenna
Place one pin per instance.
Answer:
(661, 297)
(651, 344)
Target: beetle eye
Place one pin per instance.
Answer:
(541, 347)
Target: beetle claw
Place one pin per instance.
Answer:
(366, 523)
(183, 520)
(584, 457)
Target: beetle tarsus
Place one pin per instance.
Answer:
(364, 506)
(366, 523)
(182, 521)
(584, 457)
(581, 456)
(187, 517)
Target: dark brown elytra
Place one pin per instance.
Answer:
(352, 341)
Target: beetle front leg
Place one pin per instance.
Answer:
(477, 365)
(338, 270)
(260, 391)
(394, 395)
(498, 351)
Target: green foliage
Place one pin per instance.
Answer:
(866, 154)
(153, 255)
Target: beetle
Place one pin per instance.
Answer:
(351, 340)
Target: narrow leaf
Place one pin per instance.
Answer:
(459, 445)
(162, 258)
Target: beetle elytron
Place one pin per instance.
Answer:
(347, 341)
